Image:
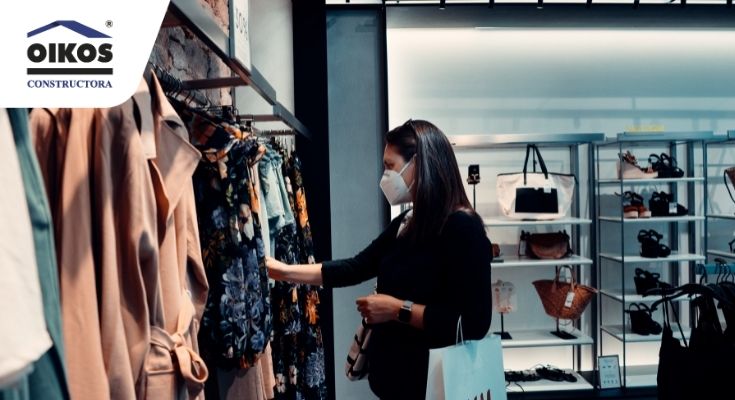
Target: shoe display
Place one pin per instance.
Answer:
(641, 321)
(633, 206)
(732, 246)
(645, 281)
(555, 374)
(662, 204)
(651, 246)
(628, 168)
(665, 166)
(521, 376)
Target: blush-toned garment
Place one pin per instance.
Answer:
(144, 273)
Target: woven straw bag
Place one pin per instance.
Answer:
(557, 299)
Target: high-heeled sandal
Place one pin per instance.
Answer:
(641, 320)
(628, 168)
(645, 281)
(665, 165)
(662, 205)
(651, 246)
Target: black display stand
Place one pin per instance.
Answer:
(503, 334)
(561, 334)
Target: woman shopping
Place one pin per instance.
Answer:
(432, 264)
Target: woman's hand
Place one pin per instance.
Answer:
(378, 308)
(276, 269)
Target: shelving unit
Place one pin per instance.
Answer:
(618, 249)
(715, 239)
(541, 337)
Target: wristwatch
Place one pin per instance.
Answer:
(404, 314)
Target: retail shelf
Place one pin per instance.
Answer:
(544, 385)
(495, 222)
(632, 297)
(685, 218)
(643, 137)
(674, 257)
(641, 375)
(544, 338)
(721, 216)
(720, 253)
(515, 261)
(517, 139)
(630, 337)
(650, 181)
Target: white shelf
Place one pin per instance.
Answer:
(641, 375)
(633, 297)
(630, 337)
(649, 181)
(543, 338)
(653, 219)
(633, 259)
(515, 261)
(721, 216)
(720, 253)
(496, 222)
(544, 385)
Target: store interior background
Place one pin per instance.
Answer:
(474, 70)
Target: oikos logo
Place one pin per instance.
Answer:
(90, 56)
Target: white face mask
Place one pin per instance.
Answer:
(394, 187)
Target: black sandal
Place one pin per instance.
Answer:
(651, 246)
(668, 164)
(661, 205)
(555, 374)
(641, 321)
(645, 281)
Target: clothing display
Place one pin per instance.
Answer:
(432, 274)
(141, 221)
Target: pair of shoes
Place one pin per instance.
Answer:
(651, 246)
(641, 321)
(645, 281)
(628, 168)
(662, 204)
(555, 374)
(521, 376)
(665, 165)
(633, 207)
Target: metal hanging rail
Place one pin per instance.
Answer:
(190, 14)
(511, 139)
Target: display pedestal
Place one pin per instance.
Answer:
(503, 334)
(561, 334)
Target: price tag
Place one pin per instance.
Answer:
(672, 208)
(547, 189)
(569, 300)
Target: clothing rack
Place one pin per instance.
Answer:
(174, 87)
(191, 15)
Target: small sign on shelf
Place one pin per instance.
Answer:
(608, 368)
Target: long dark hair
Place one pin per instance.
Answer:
(437, 189)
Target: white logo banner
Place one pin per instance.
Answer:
(77, 53)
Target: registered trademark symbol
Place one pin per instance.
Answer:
(108, 23)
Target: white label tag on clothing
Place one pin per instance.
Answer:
(522, 248)
(547, 189)
(569, 300)
(672, 208)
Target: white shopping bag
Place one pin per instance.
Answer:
(469, 370)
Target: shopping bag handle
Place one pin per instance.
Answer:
(460, 333)
(540, 160)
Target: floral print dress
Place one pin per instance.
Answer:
(298, 348)
(237, 321)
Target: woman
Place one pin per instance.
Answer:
(432, 264)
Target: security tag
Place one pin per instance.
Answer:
(570, 299)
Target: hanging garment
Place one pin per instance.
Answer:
(24, 339)
(63, 142)
(237, 319)
(152, 281)
(48, 379)
(298, 350)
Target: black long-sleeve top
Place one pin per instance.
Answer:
(449, 274)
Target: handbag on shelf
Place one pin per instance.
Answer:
(535, 195)
(564, 300)
(356, 367)
(730, 173)
(550, 246)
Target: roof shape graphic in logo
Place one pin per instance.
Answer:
(75, 26)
